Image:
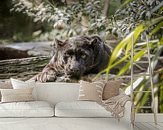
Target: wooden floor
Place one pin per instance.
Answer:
(146, 122)
(148, 126)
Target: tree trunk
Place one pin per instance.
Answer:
(106, 8)
(24, 68)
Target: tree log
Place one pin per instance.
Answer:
(12, 53)
(24, 68)
(25, 50)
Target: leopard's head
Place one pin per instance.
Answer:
(79, 54)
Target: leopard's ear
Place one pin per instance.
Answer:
(57, 44)
(95, 40)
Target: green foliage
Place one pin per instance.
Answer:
(143, 99)
(125, 46)
(84, 17)
(146, 18)
(134, 12)
(78, 18)
(114, 5)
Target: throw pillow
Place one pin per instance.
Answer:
(18, 84)
(111, 89)
(91, 91)
(16, 95)
(5, 85)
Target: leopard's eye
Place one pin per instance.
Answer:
(66, 54)
(69, 53)
(83, 56)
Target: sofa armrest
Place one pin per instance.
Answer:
(127, 113)
(125, 121)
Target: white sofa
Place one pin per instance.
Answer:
(65, 113)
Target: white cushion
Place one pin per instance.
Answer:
(80, 109)
(16, 95)
(26, 109)
(18, 84)
(54, 92)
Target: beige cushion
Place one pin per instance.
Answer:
(111, 89)
(26, 109)
(81, 109)
(5, 85)
(18, 84)
(16, 95)
(91, 91)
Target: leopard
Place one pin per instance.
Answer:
(75, 57)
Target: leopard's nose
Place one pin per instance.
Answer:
(75, 70)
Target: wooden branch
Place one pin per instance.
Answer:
(106, 8)
(24, 68)
(12, 53)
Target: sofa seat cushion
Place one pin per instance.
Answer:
(26, 109)
(80, 109)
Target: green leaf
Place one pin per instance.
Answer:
(125, 2)
(135, 85)
(143, 101)
(161, 98)
(118, 50)
(155, 58)
(157, 28)
(119, 61)
(160, 42)
(138, 30)
(137, 56)
(152, 22)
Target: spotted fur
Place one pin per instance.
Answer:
(76, 57)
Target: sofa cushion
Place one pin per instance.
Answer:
(5, 85)
(18, 84)
(91, 91)
(16, 95)
(26, 109)
(80, 109)
(111, 89)
(54, 92)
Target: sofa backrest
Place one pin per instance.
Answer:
(54, 92)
